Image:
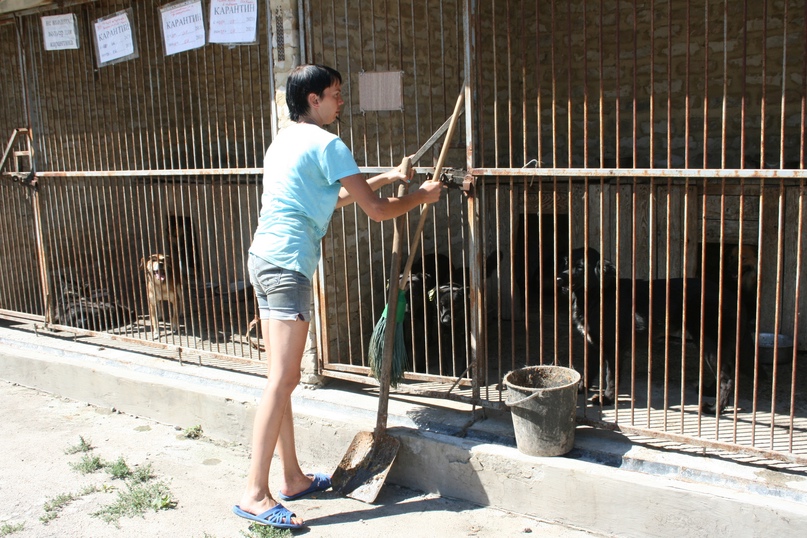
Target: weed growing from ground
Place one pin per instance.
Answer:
(119, 470)
(141, 492)
(82, 446)
(136, 500)
(6, 529)
(142, 474)
(56, 505)
(92, 488)
(194, 432)
(88, 464)
(265, 531)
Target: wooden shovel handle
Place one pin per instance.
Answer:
(391, 322)
(438, 169)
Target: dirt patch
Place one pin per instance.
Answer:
(203, 477)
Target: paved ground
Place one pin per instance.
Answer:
(204, 476)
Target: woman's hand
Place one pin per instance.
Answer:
(404, 172)
(431, 191)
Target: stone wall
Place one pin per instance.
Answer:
(685, 84)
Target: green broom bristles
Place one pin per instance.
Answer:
(399, 358)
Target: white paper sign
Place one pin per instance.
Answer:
(183, 26)
(233, 21)
(60, 32)
(113, 38)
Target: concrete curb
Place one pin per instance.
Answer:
(605, 485)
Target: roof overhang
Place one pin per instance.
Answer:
(11, 6)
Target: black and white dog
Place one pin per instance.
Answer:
(595, 316)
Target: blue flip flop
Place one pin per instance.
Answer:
(319, 482)
(278, 517)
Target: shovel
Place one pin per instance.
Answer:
(364, 467)
(368, 459)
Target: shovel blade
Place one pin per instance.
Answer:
(364, 467)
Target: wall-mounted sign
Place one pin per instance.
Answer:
(60, 32)
(234, 21)
(380, 90)
(114, 38)
(183, 26)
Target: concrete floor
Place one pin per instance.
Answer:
(607, 484)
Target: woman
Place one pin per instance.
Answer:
(308, 172)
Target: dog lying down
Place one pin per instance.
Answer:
(586, 318)
(163, 283)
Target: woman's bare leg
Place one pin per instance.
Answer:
(293, 479)
(273, 416)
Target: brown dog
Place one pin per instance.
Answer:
(163, 283)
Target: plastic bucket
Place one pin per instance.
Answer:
(543, 402)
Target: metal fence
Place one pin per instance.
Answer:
(668, 136)
(159, 155)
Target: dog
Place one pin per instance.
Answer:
(435, 324)
(450, 300)
(163, 284)
(421, 323)
(745, 258)
(80, 305)
(587, 317)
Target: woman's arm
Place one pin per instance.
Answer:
(360, 191)
(375, 183)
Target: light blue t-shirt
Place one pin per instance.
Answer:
(302, 169)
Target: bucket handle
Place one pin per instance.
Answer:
(523, 400)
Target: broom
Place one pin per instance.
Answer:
(399, 357)
(377, 344)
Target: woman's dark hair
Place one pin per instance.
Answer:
(305, 80)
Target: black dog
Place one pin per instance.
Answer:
(436, 313)
(586, 315)
(421, 323)
(450, 300)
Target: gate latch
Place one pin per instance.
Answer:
(455, 179)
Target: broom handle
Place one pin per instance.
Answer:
(395, 269)
(424, 210)
(391, 321)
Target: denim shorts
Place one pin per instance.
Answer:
(282, 294)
